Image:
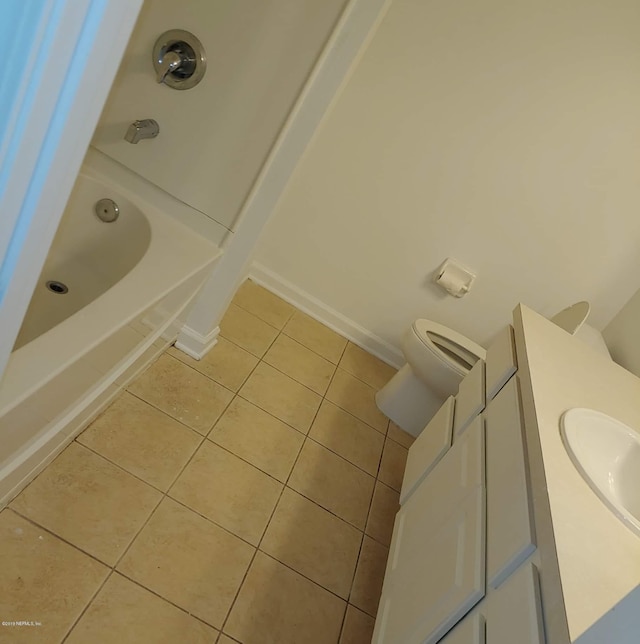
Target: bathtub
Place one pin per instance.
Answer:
(130, 283)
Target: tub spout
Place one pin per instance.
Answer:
(145, 129)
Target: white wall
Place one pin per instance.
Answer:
(622, 335)
(505, 134)
(214, 137)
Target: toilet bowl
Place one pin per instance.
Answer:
(438, 358)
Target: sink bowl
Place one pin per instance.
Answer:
(607, 454)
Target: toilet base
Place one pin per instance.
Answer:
(408, 402)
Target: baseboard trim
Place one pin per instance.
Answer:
(194, 344)
(326, 315)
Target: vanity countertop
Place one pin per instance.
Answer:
(598, 557)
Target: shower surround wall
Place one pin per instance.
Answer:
(214, 137)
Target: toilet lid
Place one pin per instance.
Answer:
(573, 317)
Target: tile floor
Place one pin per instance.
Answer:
(248, 497)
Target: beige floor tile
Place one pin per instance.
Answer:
(384, 507)
(366, 367)
(247, 331)
(225, 639)
(257, 437)
(278, 606)
(358, 398)
(142, 440)
(281, 396)
(227, 363)
(315, 336)
(234, 494)
(183, 393)
(357, 628)
(88, 501)
(349, 437)
(400, 436)
(125, 613)
(189, 561)
(394, 460)
(313, 542)
(43, 579)
(367, 585)
(300, 363)
(333, 483)
(263, 304)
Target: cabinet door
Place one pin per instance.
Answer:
(469, 631)
(510, 538)
(435, 572)
(500, 362)
(470, 398)
(513, 612)
(428, 448)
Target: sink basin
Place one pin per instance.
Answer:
(607, 454)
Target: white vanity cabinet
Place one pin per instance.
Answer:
(510, 615)
(436, 565)
(463, 566)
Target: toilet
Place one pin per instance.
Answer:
(438, 358)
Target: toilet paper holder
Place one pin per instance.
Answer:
(455, 278)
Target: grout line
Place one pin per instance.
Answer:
(343, 458)
(112, 569)
(396, 442)
(203, 435)
(337, 516)
(209, 520)
(153, 592)
(207, 436)
(355, 570)
(284, 373)
(262, 360)
(188, 366)
(266, 411)
(306, 348)
(149, 404)
(252, 314)
(86, 608)
(346, 411)
(301, 574)
(244, 460)
(284, 332)
(275, 507)
(57, 536)
(207, 375)
(120, 467)
(163, 496)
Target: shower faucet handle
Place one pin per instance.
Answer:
(170, 62)
(144, 129)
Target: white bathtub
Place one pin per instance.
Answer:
(130, 284)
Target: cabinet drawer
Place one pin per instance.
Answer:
(428, 448)
(510, 538)
(500, 362)
(470, 398)
(514, 613)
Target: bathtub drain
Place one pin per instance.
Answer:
(57, 287)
